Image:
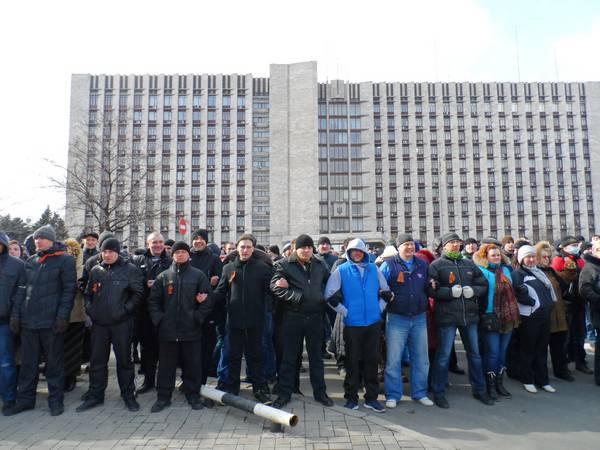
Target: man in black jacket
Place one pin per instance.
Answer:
(299, 282)
(113, 292)
(210, 264)
(12, 291)
(456, 285)
(43, 317)
(245, 284)
(152, 263)
(589, 288)
(180, 301)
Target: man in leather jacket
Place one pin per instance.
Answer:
(299, 283)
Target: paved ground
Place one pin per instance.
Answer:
(111, 426)
(567, 419)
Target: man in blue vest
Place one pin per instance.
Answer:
(354, 290)
(406, 323)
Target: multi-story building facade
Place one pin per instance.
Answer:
(284, 155)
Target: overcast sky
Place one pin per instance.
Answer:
(44, 42)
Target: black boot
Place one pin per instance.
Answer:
(500, 389)
(490, 382)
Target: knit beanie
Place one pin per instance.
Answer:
(111, 244)
(304, 240)
(169, 242)
(200, 233)
(524, 251)
(180, 245)
(46, 232)
(452, 236)
(324, 240)
(402, 238)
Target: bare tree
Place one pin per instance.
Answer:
(103, 179)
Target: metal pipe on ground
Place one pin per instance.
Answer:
(276, 416)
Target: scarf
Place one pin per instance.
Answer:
(454, 255)
(505, 302)
(541, 276)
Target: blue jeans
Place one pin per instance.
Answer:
(494, 350)
(402, 332)
(8, 369)
(469, 337)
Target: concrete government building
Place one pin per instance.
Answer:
(285, 155)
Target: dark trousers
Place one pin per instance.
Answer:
(575, 345)
(534, 337)
(597, 358)
(120, 337)
(558, 353)
(169, 355)
(362, 345)
(209, 342)
(299, 327)
(242, 341)
(34, 343)
(148, 346)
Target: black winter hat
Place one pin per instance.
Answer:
(202, 233)
(46, 232)
(402, 238)
(471, 240)
(111, 244)
(180, 245)
(104, 236)
(324, 240)
(169, 242)
(452, 236)
(304, 240)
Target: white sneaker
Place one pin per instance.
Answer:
(425, 401)
(549, 388)
(390, 404)
(530, 388)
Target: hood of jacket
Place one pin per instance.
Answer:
(357, 244)
(4, 240)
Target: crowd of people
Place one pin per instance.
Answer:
(202, 308)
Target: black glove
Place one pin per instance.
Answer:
(386, 296)
(60, 326)
(14, 325)
(336, 299)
